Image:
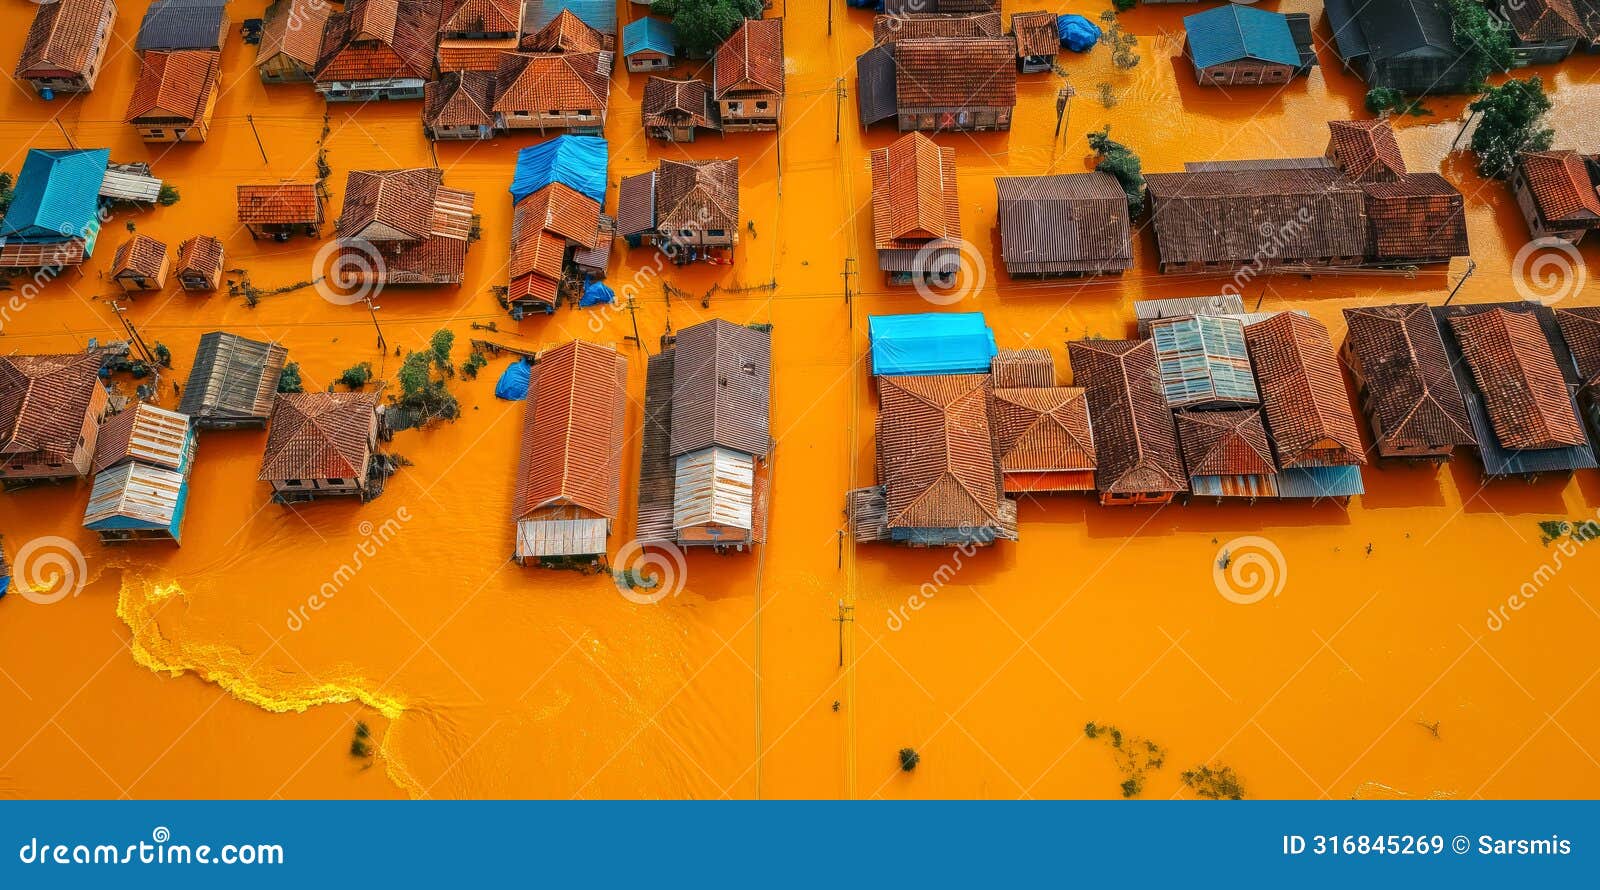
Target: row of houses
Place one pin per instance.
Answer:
(1210, 401)
(744, 94)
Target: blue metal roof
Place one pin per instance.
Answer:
(575, 161)
(57, 196)
(600, 15)
(648, 35)
(1320, 482)
(1230, 33)
(931, 343)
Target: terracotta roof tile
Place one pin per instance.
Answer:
(61, 38)
(566, 33)
(573, 432)
(1415, 400)
(1225, 443)
(697, 195)
(1366, 149)
(1135, 439)
(1036, 33)
(319, 435)
(459, 99)
(1042, 429)
(174, 85)
(560, 209)
(1219, 215)
(672, 103)
(1580, 327)
(456, 54)
(44, 400)
(956, 73)
(1016, 368)
(481, 17)
(1303, 392)
(383, 205)
(1420, 215)
(913, 26)
(914, 194)
(200, 255)
(294, 29)
(936, 456)
(140, 255)
(378, 40)
(1523, 389)
(751, 59)
(1541, 20)
(1561, 187)
(280, 204)
(566, 82)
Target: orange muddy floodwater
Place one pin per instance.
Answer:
(175, 673)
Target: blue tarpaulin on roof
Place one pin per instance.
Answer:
(931, 343)
(596, 294)
(575, 161)
(513, 382)
(1077, 33)
(5, 585)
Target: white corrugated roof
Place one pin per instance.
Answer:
(713, 486)
(135, 491)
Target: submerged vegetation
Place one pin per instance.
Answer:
(1219, 783)
(361, 742)
(909, 758)
(1120, 41)
(1120, 161)
(289, 379)
(1513, 122)
(1134, 756)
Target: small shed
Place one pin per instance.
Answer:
(1233, 44)
(649, 44)
(1038, 41)
(200, 263)
(232, 381)
(280, 210)
(141, 263)
(137, 502)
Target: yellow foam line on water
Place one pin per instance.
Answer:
(226, 666)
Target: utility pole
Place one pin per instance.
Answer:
(1063, 106)
(838, 104)
(134, 338)
(1472, 266)
(1261, 299)
(849, 269)
(844, 615)
(1462, 132)
(830, 16)
(64, 134)
(383, 345)
(634, 315)
(251, 120)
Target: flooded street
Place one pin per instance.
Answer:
(1376, 671)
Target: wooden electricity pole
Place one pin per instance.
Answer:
(1472, 266)
(251, 120)
(844, 615)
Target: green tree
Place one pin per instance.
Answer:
(168, 195)
(356, 376)
(1512, 122)
(1120, 41)
(6, 185)
(702, 25)
(1483, 38)
(909, 758)
(1120, 161)
(439, 347)
(289, 378)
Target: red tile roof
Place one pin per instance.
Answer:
(956, 73)
(381, 205)
(1412, 389)
(1036, 33)
(459, 99)
(1561, 187)
(1225, 443)
(319, 435)
(1365, 150)
(566, 33)
(1042, 428)
(913, 26)
(1135, 439)
(281, 204)
(456, 54)
(671, 103)
(1420, 215)
(294, 29)
(574, 432)
(379, 40)
(697, 195)
(44, 400)
(61, 38)
(1581, 329)
(481, 17)
(200, 255)
(751, 59)
(1523, 389)
(560, 209)
(1303, 392)
(566, 82)
(1541, 20)
(914, 194)
(140, 255)
(1015, 368)
(174, 85)
(935, 456)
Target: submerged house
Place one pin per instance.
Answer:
(1038, 41)
(545, 226)
(1314, 432)
(674, 110)
(183, 24)
(1556, 194)
(54, 217)
(1226, 453)
(939, 483)
(321, 444)
(916, 214)
(1202, 362)
(1148, 312)
(51, 409)
(232, 382)
(573, 435)
(1042, 436)
(291, 40)
(377, 49)
(693, 206)
(1405, 45)
(473, 34)
(1519, 379)
(747, 77)
(459, 105)
(417, 225)
(649, 44)
(174, 96)
(1404, 382)
(1544, 32)
(141, 263)
(66, 45)
(142, 464)
(939, 83)
(565, 91)
(1233, 45)
(705, 465)
(1136, 440)
(1412, 218)
(281, 210)
(1580, 327)
(199, 266)
(1069, 224)
(567, 32)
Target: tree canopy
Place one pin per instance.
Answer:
(703, 24)
(1120, 161)
(1512, 123)
(1483, 38)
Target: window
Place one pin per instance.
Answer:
(736, 107)
(761, 106)
(716, 233)
(335, 480)
(292, 482)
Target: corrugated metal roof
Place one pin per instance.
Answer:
(649, 35)
(1303, 392)
(1231, 33)
(935, 453)
(147, 434)
(182, 24)
(600, 15)
(1320, 482)
(134, 496)
(656, 472)
(57, 196)
(1307, 215)
(1070, 222)
(1203, 360)
(1136, 442)
(714, 486)
(1014, 368)
(875, 85)
(573, 433)
(122, 185)
(1147, 311)
(232, 379)
(1525, 391)
(722, 388)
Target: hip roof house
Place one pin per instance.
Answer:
(51, 408)
(1404, 382)
(1066, 224)
(321, 444)
(417, 225)
(66, 45)
(377, 49)
(1406, 45)
(1135, 438)
(54, 217)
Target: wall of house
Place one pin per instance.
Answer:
(1243, 73)
(1540, 53)
(1530, 212)
(282, 69)
(954, 119)
(30, 467)
(460, 132)
(648, 62)
(584, 121)
(367, 90)
(751, 111)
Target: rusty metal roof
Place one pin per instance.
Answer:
(1414, 397)
(1523, 389)
(936, 458)
(1303, 392)
(721, 388)
(1225, 443)
(1235, 215)
(1042, 428)
(915, 26)
(751, 59)
(1070, 222)
(573, 435)
(1135, 439)
(914, 197)
(955, 73)
(320, 435)
(1365, 149)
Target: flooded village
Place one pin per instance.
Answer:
(562, 398)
